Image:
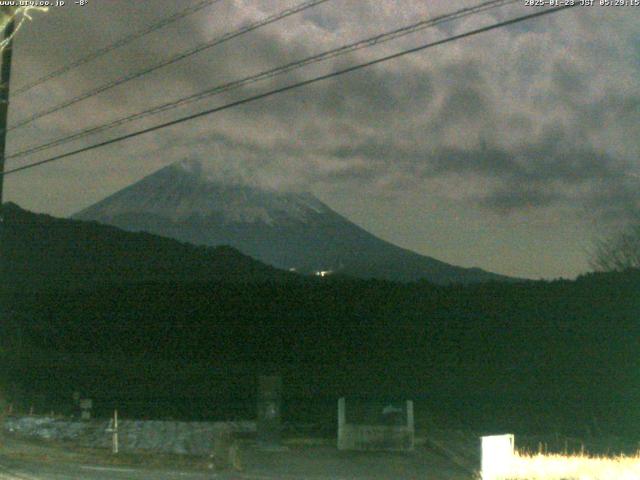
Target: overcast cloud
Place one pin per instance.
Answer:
(516, 141)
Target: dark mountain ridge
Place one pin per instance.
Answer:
(42, 251)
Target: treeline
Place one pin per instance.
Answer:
(161, 328)
(534, 356)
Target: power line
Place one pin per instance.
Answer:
(378, 39)
(132, 76)
(119, 43)
(293, 86)
(368, 42)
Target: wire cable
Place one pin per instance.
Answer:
(368, 42)
(286, 88)
(119, 43)
(132, 76)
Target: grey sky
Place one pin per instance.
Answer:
(510, 151)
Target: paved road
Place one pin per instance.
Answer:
(11, 469)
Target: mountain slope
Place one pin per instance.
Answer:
(42, 251)
(287, 230)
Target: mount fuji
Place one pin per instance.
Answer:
(293, 231)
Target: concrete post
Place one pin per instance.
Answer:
(497, 456)
(269, 411)
(86, 404)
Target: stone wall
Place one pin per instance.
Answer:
(185, 438)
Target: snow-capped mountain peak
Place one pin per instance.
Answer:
(191, 202)
(187, 190)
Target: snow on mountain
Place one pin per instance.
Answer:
(186, 190)
(289, 230)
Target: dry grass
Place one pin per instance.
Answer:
(573, 467)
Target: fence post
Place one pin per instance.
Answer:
(115, 431)
(342, 421)
(112, 428)
(411, 424)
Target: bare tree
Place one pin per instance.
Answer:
(618, 252)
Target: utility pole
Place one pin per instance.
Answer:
(5, 75)
(5, 72)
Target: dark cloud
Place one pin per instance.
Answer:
(540, 116)
(513, 197)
